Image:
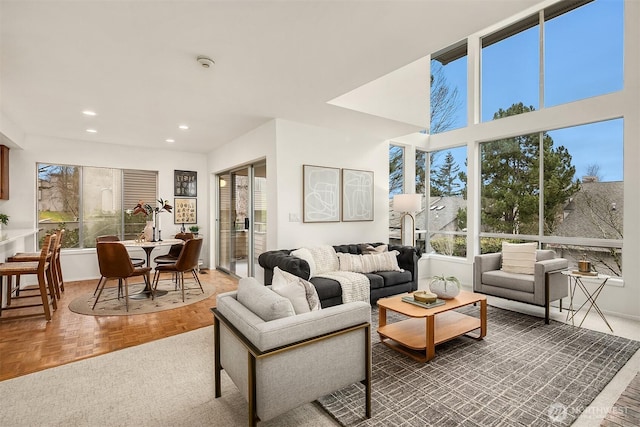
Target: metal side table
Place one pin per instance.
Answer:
(575, 281)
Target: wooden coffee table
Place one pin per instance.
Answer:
(418, 336)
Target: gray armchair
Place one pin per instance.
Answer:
(283, 363)
(545, 285)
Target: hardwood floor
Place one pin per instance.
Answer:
(30, 344)
(626, 411)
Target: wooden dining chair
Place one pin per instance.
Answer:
(186, 262)
(137, 262)
(42, 270)
(53, 258)
(114, 263)
(56, 255)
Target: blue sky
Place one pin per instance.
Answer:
(583, 58)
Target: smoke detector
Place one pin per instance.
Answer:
(205, 61)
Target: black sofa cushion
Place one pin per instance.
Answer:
(394, 277)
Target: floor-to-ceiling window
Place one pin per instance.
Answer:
(560, 185)
(442, 224)
(448, 89)
(396, 186)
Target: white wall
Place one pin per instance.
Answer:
(299, 144)
(21, 207)
(286, 146)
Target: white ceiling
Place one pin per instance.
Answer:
(134, 63)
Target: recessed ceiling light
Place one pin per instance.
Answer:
(89, 113)
(170, 141)
(183, 127)
(92, 131)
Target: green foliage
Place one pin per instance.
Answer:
(194, 228)
(51, 216)
(450, 245)
(4, 218)
(461, 218)
(421, 169)
(491, 245)
(444, 181)
(510, 180)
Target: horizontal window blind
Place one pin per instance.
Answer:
(139, 185)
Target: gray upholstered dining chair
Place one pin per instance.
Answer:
(279, 363)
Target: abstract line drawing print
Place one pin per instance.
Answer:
(321, 194)
(357, 195)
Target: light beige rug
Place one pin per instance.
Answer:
(110, 305)
(168, 382)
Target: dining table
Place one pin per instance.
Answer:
(148, 247)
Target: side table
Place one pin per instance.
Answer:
(575, 281)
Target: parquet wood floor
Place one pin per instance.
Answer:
(30, 344)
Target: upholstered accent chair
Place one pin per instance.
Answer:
(290, 359)
(546, 284)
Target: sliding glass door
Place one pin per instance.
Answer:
(241, 218)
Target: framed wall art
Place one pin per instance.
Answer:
(321, 194)
(357, 195)
(185, 211)
(185, 183)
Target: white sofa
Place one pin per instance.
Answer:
(288, 360)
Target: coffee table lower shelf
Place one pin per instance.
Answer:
(411, 336)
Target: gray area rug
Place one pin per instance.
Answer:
(110, 305)
(523, 373)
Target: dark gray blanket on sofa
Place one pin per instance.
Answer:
(382, 283)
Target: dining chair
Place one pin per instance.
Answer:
(114, 263)
(186, 262)
(137, 262)
(174, 251)
(40, 268)
(54, 249)
(56, 255)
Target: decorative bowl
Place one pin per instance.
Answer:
(424, 296)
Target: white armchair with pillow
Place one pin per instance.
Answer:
(521, 272)
(282, 351)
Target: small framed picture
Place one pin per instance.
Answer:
(185, 183)
(185, 211)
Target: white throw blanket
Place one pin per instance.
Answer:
(355, 286)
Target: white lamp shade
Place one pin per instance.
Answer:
(407, 202)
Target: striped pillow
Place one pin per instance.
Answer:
(518, 257)
(386, 261)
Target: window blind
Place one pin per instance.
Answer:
(139, 185)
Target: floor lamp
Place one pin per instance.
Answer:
(407, 204)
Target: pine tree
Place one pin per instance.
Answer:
(444, 181)
(510, 180)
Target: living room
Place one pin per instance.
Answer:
(287, 138)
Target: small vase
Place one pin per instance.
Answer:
(444, 289)
(148, 231)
